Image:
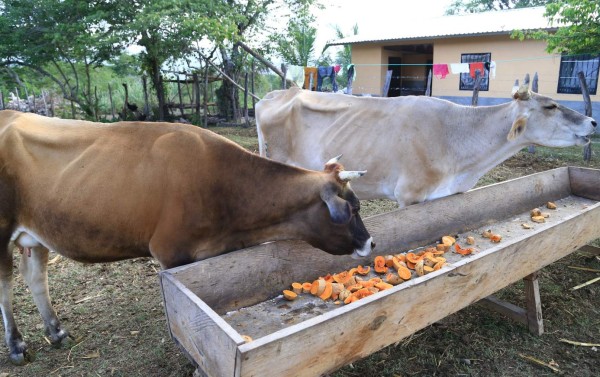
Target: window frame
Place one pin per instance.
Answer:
(568, 80)
(465, 81)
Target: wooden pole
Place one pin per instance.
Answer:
(46, 111)
(196, 96)
(206, 97)
(247, 121)
(534, 88)
(112, 105)
(587, 150)
(33, 109)
(1, 100)
(96, 109)
(386, 85)
(146, 102)
(18, 99)
(180, 96)
(475, 99)
(229, 78)
(284, 70)
(252, 83)
(428, 90)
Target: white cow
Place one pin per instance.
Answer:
(414, 148)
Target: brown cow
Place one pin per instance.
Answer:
(104, 192)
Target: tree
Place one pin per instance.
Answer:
(168, 30)
(579, 27)
(61, 40)
(476, 6)
(297, 45)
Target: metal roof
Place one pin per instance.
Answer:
(472, 24)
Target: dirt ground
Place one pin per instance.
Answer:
(116, 315)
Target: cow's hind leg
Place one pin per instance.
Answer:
(17, 348)
(34, 269)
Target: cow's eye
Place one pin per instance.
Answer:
(551, 106)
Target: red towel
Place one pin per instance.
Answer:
(440, 70)
(474, 67)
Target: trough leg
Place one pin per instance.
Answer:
(34, 269)
(533, 304)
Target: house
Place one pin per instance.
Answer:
(410, 51)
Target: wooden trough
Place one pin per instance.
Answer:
(210, 304)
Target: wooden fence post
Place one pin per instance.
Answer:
(112, 105)
(534, 88)
(252, 83)
(428, 89)
(1, 100)
(475, 98)
(196, 96)
(180, 96)
(18, 99)
(284, 71)
(247, 121)
(146, 103)
(206, 96)
(46, 111)
(587, 150)
(386, 85)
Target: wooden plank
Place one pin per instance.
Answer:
(206, 338)
(533, 304)
(276, 264)
(512, 311)
(357, 330)
(585, 182)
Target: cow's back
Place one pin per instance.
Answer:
(87, 179)
(381, 135)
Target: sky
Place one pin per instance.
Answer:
(371, 14)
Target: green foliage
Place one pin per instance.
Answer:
(579, 26)
(476, 6)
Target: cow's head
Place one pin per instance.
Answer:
(541, 120)
(338, 228)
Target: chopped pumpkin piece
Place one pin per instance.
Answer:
(383, 286)
(289, 295)
(448, 240)
(462, 251)
(388, 260)
(342, 277)
(297, 288)
(551, 205)
(363, 270)
(379, 263)
(247, 338)
(412, 258)
(471, 240)
(326, 292)
(538, 219)
(496, 238)
(419, 267)
(393, 279)
(306, 287)
(318, 286)
(404, 273)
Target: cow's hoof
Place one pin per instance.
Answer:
(22, 358)
(63, 340)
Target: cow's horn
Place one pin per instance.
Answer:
(334, 160)
(350, 175)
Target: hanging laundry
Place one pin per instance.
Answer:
(310, 77)
(493, 69)
(324, 72)
(457, 68)
(337, 68)
(440, 70)
(473, 67)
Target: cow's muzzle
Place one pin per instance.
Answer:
(365, 250)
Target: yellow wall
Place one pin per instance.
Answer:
(513, 58)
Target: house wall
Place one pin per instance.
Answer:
(514, 59)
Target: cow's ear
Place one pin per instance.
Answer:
(522, 92)
(517, 128)
(339, 209)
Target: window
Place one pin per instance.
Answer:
(466, 81)
(570, 66)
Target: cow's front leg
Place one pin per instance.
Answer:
(16, 346)
(34, 269)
